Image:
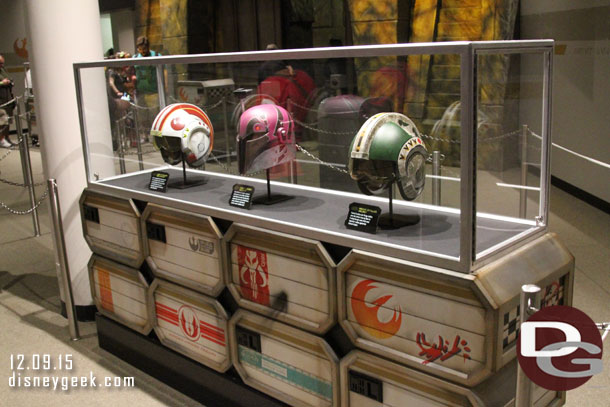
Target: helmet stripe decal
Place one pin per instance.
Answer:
(173, 108)
(161, 114)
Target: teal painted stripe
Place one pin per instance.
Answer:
(286, 372)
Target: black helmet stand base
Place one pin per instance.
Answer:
(270, 199)
(185, 183)
(391, 220)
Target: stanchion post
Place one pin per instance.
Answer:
(139, 145)
(61, 259)
(436, 182)
(121, 128)
(523, 191)
(27, 168)
(529, 304)
(226, 130)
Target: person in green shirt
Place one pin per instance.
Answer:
(6, 95)
(146, 88)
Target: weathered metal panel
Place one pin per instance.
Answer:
(120, 293)
(285, 277)
(190, 323)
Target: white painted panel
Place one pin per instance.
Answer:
(284, 387)
(124, 239)
(130, 317)
(402, 345)
(123, 286)
(119, 220)
(296, 292)
(203, 347)
(123, 304)
(410, 326)
(290, 355)
(358, 400)
(207, 277)
(427, 306)
(183, 257)
(546, 399)
(202, 313)
(300, 311)
(394, 396)
(291, 269)
(180, 238)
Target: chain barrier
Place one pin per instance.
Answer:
(318, 130)
(230, 171)
(28, 211)
(481, 140)
(310, 155)
(135, 152)
(141, 107)
(13, 100)
(584, 157)
(10, 149)
(211, 107)
(444, 140)
(311, 109)
(8, 152)
(17, 184)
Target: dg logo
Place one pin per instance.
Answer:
(560, 348)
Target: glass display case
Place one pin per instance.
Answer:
(480, 109)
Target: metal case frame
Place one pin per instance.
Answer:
(468, 51)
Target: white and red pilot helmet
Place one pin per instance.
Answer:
(182, 131)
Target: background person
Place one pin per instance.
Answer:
(6, 95)
(147, 95)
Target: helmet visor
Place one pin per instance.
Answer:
(170, 147)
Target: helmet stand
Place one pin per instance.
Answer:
(184, 183)
(270, 199)
(390, 220)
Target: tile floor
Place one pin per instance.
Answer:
(30, 322)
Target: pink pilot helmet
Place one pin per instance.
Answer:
(265, 138)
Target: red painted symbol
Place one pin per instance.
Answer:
(367, 316)
(253, 274)
(189, 323)
(183, 96)
(177, 123)
(441, 350)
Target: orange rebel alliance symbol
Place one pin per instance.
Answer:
(367, 315)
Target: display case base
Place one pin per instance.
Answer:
(205, 385)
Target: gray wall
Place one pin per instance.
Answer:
(581, 88)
